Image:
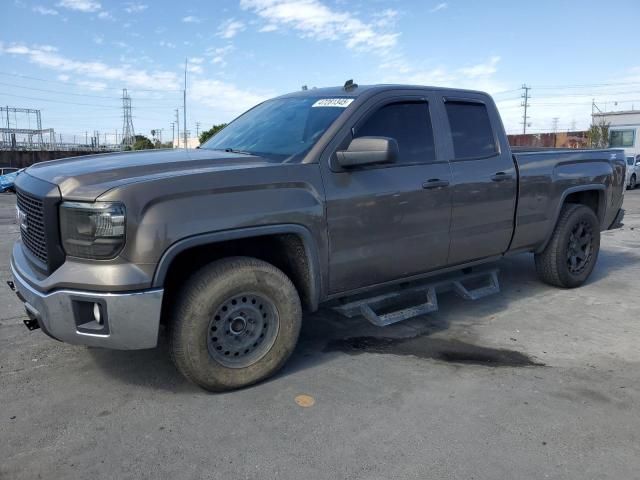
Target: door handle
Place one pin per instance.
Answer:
(435, 183)
(501, 177)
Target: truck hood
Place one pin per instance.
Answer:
(88, 177)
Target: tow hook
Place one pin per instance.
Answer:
(32, 322)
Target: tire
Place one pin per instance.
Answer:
(217, 317)
(632, 182)
(577, 234)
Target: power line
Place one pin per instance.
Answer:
(56, 101)
(45, 90)
(48, 80)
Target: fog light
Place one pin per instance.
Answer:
(97, 315)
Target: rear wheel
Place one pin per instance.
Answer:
(632, 182)
(236, 322)
(571, 254)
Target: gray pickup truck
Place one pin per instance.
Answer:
(312, 198)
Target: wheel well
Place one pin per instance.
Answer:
(284, 251)
(589, 198)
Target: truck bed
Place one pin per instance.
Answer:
(548, 175)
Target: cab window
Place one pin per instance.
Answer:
(409, 123)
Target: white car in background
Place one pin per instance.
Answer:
(633, 171)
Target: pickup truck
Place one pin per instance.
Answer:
(313, 197)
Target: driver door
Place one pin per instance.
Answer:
(391, 221)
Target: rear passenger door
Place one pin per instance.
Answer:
(484, 179)
(390, 221)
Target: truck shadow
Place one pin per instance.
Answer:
(151, 368)
(326, 334)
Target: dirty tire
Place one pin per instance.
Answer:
(553, 265)
(201, 298)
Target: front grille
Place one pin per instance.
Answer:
(33, 236)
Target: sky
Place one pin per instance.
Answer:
(72, 58)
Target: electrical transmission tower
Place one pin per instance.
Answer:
(555, 124)
(525, 104)
(128, 134)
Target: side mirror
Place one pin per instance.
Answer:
(368, 151)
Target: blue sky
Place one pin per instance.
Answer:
(71, 58)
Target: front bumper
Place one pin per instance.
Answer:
(129, 321)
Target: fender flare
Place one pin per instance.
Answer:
(210, 238)
(580, 188)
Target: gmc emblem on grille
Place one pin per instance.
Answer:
(21, 219)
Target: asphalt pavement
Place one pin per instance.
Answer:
(534, 382)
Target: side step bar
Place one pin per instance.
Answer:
(367, 307)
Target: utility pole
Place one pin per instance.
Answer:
(178, 126)
(184, 105)
(197, 129)
(525, 104)
(555, 131)
(173, 133)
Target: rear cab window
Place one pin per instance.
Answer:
(471, 132)
(409, 123)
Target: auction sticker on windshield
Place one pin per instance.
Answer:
(333, 102)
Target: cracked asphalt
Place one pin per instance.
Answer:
(534, 382)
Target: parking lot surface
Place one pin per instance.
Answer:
(535, 382)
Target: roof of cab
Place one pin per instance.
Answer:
(359, 90)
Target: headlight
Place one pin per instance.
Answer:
(92, 230)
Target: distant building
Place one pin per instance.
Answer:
(550, 140)
(192, 142)
(624, 130)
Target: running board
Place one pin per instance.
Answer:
(367, 307)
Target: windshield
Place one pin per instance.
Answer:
(282, 129)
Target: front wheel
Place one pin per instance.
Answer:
(571, 254)
(632, 182)
(236, 322)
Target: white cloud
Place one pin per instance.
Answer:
(162, 43)
(104, 15)
(482, 69)
(135, 7)
(196, 60)
(194, 68)
(64, 78)
(386, 18)
(477, 77)
(230, 28)
(314, 19)
(219, 54)
(47, 57)
(440, 6)
(95, 86)
(81, 5)
(44, 10)
(99, 39)
(269, 27)
(225, 97)
(191, 19)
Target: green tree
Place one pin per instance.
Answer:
(142, 143)
(598, 135)
(207, 134)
